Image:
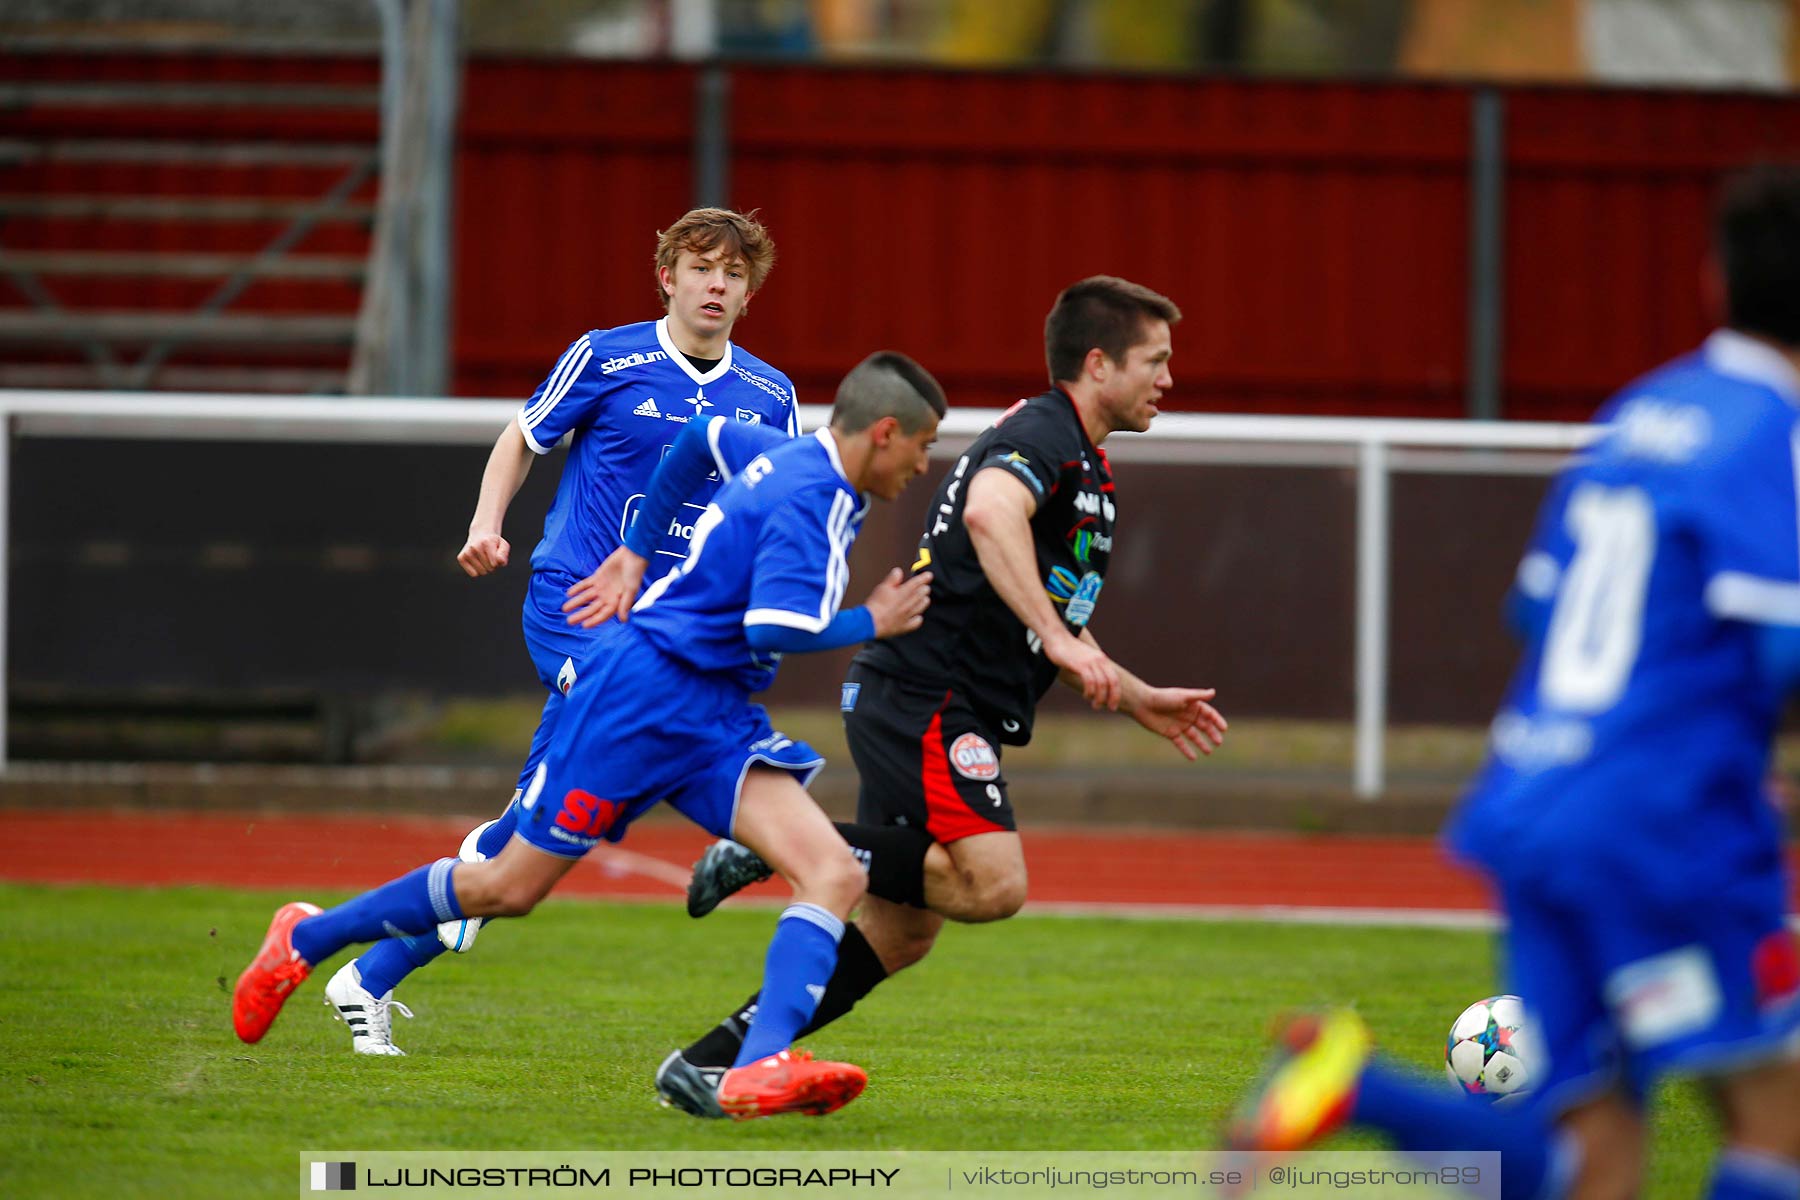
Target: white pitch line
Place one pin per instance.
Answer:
(1276, 914)
(615, 860)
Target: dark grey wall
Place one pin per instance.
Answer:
(226, 567)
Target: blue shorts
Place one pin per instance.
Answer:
(1628, 982)
(638, 728)
(555, 647)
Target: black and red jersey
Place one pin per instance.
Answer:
(971, 641)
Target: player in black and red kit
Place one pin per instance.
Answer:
(1017, 541)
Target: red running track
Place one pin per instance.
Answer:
(1068, 866)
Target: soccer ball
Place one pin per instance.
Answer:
(460, 935)
(1492, 1052)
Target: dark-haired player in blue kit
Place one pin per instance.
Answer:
(619, 397)
(1622, 812)
(661, 710)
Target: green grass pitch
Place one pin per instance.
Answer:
(122, 1077)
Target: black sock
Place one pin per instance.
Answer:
(894, 856)
(719, 1047)
(858, 970)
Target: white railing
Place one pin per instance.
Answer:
(1377, 448)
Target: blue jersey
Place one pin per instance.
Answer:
(622, 395)
(773, 548)
(1634, 739)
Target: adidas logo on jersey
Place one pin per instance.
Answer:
(648, 409)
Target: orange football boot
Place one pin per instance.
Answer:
(272, 975)
(789, 1082)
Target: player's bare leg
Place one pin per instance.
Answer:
(511, 883)
(899, 934)
(978, 878)
(782, 824)
(1760, 1108)
(1610, 1133)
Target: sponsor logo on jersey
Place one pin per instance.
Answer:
(757, 381)
(681, 526)
(1010, 725)
(847, 698)
(749, 416)
(1661, 431)
(637, 358)
(1665, 997)
(1095, 503)
(647, 408)
(1539, 743)
(1081, 606)
(565, 678)
(974, 759)
(585, 815)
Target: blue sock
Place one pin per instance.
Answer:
(802, 956)
(1753, 1175)
(389, 962)
(414, 903)
(493, 839)
(1426, 1117)
(386, 963)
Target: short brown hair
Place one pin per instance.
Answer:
(1103, 312)
(704, 230)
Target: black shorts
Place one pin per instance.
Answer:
(925, 759)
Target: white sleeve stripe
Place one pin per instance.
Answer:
(713, 428)
(558, 380)
(1734, 596)
(556, 373)
(793, 421)
(554, 394)
(536, 446)
(837, 573)
(784, 618)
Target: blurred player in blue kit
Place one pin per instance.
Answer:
(1622, 813)
(661, 711)
(619, 397)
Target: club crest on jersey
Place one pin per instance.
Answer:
(749, 416)
(974, 759)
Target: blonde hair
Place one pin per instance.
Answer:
(740, 235)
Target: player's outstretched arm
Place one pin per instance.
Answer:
(998, 517)
(1180, 714)
(487, 551)
(609, 591)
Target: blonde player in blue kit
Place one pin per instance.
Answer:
(1622, 813)
(661, 710)
(618, 397)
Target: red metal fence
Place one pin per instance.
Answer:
(1316, 234)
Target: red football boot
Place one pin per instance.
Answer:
(789, 1082)
(275, 972)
